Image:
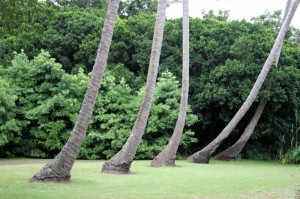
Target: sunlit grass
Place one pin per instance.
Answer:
(241, 179)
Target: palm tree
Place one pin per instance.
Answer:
(203, 155)
(168, 155)
(120, 163)
(233, 151)
(58, 170)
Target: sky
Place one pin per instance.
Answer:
(239, 9)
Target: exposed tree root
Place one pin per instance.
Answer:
(48, 174)
(111, 167)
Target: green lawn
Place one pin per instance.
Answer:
(240, 179)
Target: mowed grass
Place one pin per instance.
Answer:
(238, 179)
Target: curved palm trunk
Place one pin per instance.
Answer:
(168, 155)
(233, 151)
(204, 155)
(58, 170)
(120, 163)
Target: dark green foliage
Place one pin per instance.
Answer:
(15, 12)
(66, 32)
(21, 27)
(256, 151)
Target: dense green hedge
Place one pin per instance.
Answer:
(40, 103)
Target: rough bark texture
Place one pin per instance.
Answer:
(233, 151)
(205, 153)
(58, 170)
(168, 155)
(121, 162)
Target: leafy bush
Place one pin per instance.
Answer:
(48, 101)
(292, 156)
(116, 111)
(9, 131)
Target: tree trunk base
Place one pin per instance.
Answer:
(111, 167)
(48, 174)
(224, 157)
(159, 162)
(232, 152)
(200, 157)
(50, 179)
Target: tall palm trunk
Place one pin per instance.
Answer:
(233, 151)
(120, 163)
(204, 155)
(168, 155)
(58, 170)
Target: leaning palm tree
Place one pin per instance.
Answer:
(233, 151)
(120, 163)
(58, 170)
(168, 155)
(203, 155)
